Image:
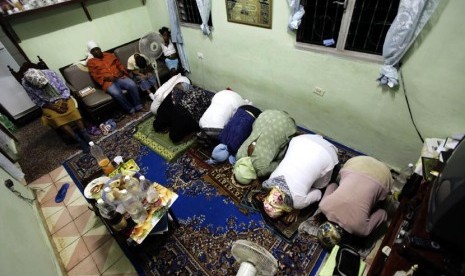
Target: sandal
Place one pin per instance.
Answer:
(105, 129)
(61, 193)
(94, 131)
(111, 124)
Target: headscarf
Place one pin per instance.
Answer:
(329, 234)
(244, 171)
(275, 203)
(39, 80)
(91, 45)
(36, 78)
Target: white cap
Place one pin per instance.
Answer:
(91, 45)
(91, 143)
(118, 159)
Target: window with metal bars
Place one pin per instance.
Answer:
(189, 12)
(347, 25)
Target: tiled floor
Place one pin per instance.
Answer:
(82, 241)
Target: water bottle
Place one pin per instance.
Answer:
(148, 190)
(105, 209)
(133, 186)
(102, 159)
(115, 219)
(134, 207)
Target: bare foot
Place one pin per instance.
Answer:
(291, 216)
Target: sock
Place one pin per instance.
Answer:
(84, 145)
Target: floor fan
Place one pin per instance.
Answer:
(150, 45)
(254, 259)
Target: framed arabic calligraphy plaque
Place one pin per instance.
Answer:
(250, 12)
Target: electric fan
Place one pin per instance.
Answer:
(150, 46)
(254, 259)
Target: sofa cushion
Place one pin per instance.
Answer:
(79, 78)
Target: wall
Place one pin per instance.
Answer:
(264, 66)
(60, 36)
(24, 247)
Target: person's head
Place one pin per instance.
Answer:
(329, 234)
(141, 62)
(274, 204)
(36, 78)
(244, 172)
(165, 33)
(94, 49)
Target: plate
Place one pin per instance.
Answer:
(89, 190)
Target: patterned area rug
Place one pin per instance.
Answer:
(221, 176)
(210, 222)
(160, 142)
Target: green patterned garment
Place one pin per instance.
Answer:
(271, 132)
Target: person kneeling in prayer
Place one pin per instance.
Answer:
(295, 184)
(353, 206)
(265, 147)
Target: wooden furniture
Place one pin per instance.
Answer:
(410, 219)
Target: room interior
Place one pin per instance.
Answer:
(265, 66)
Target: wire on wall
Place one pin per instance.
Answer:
(408, 106)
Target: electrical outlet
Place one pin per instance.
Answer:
(319, 91)
(200, 55)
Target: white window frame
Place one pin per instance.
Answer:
(342, 38)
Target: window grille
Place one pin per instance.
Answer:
(189, 12)
(352, 25)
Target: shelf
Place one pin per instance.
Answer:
(6, 18)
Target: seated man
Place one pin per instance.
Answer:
(353, 205)
(107, 71)
(234, 134)
(143, 72)
(306, 168)
(262, 151)
(59, 110)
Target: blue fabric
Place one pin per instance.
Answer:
(171, 63)
(220, 153)
(116, 92)
(237, 130)
(145, 84)
(176, 35)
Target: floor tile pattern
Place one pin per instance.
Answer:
(82, 241)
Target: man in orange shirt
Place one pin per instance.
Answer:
(108, 71)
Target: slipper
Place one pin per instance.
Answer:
(104, 128)
(94, 131)
(61, 193)
(111, 123)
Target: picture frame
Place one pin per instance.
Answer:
(250, 12)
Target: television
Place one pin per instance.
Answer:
(446, 209)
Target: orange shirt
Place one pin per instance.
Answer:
(108, 66)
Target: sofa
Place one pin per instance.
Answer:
(98, 106)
